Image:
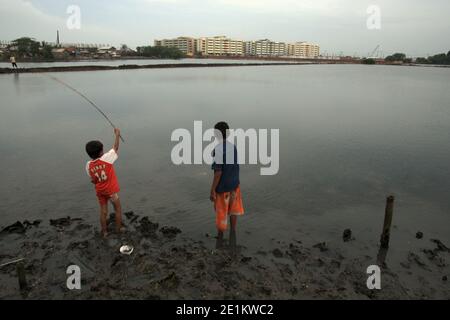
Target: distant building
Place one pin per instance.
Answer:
(186, 45)
(220, 46)
(266, 48)
(223, 46)
(60, 53)
(305, 50)
(4, 44)
(263, 47)
(290, 48)
(250, 48)
(108, 52)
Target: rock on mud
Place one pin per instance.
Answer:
(347, 235)
(20, 227)
(277, 253)
(146, 227)
(322, 246)
(170, 232)
(63, 222)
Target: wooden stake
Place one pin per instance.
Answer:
(384, 241)
(21, 275)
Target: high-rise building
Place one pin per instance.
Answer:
(186, 45)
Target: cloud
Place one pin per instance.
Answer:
(21, 18)
(413, 26)
(324, 7)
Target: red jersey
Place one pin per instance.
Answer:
(103, 175)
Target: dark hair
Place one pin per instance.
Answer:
(222, 126)
(94, 149)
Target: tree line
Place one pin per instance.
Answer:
(442, 58)
(29, 47)
(160, 52)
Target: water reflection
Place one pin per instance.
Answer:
(17, 83)
(338, 156)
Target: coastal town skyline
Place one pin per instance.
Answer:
(327, 23)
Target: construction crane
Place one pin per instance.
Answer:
(376, 53)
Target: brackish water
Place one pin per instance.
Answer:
(349, 136)
(118, 62)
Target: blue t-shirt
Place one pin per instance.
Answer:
(226, 160)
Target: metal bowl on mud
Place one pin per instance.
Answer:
(126, 249)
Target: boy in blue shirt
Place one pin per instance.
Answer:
(225, 189)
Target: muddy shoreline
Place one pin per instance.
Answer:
(134, 66)
(167, 264)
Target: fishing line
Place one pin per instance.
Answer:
(87, 99)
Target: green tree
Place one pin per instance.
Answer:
(369, 61)
(47, 52)
(439, 59)
(160, 52)
(422, 60)
(396, 57)
(26, 46)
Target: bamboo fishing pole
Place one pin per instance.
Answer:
(87, 99)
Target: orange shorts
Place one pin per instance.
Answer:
(103, 198)
(226, 204)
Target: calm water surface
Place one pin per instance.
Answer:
(349, 136)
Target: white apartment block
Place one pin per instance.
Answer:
(265, 48)
(220, 46)
(279, 49)
(250, 48)
(186, 45)
(223, 46)
(305, 50)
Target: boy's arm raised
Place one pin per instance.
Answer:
(117, 139)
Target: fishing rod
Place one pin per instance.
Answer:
(87, 99)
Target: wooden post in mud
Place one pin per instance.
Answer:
(21, 275)
(389, 211)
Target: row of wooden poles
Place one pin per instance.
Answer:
(384, 243)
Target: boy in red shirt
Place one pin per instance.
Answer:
(101, 171)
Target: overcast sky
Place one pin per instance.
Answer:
(416, 27)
